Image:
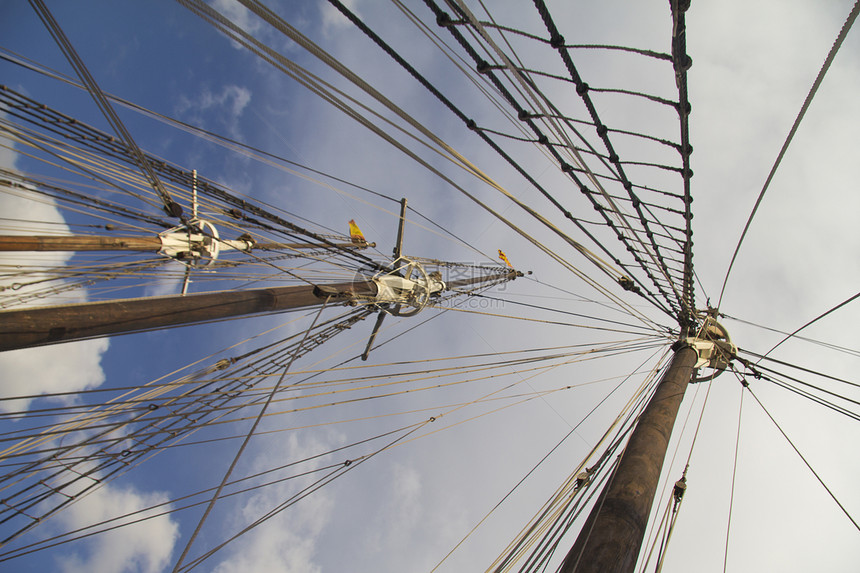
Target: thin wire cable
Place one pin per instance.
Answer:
(812, 91)
(784, 435)
(68, 50)
(813, 321)
(734, 474)
(247, 439)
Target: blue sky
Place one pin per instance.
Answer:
(406, 508)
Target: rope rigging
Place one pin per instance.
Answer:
(794, 447)
(525, 116)
(170, 206)
(191, 408)
(200, 10)
(828, 60)
(240, 147)
(558, 513)
(554, 155)
(556, 41)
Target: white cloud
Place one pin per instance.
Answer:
(8, 156)
(69, 367)
(333, 20)
(282, 546)
(406, 494)
(402, 510)
(232, 97)
(287, 542)
(239, 15)
(228, 105)
(144, 547)
(63, 368)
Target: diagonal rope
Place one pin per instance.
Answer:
(784, 435)
(482, 132)
(826, 66)
(816, 319)
(171, 207)
(734, 475)
(247, 439)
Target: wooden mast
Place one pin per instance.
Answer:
(610, 540)
(41, 326)
(38, 243)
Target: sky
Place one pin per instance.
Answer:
(406, 508)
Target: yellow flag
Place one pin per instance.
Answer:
(355, 233)
(505, 258)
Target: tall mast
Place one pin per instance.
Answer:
(612, 535)
(403, 288)
(610, 540)
(52, 324)
(42, 243)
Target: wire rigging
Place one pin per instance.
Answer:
(814, 473)
(470, 123)
(811, 322)
(60, 447)
(831, 55)
(734, 475)
(170, 207)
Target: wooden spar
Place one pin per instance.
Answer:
(285, 246)
(78, 243)
(398, 251)
(41, 326)
(398, 245)
(610, 540)
(52, 324)
(36, 243)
